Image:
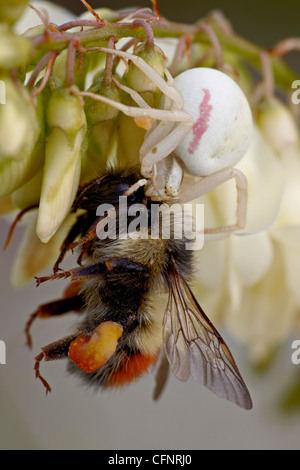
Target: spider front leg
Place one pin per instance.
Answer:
(159, 143)
(208, 183)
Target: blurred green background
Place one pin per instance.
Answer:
(264, 22)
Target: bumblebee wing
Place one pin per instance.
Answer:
(194, 347)
(161, 373)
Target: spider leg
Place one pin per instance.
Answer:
(154, 135)
(176, 115)
(140, 183)
(285, 46)
(166, 87)
(210, 182)
(164, 147)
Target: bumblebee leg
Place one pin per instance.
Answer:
(76, 274)
(93, 231)
(38, 359)
(90, 235)
(54, 351)
(84, 272)
(74, 232)
(84, 250)
(123, 264)
(55, 308)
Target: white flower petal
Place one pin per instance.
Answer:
(252, 255)
(14, 174)
(33, 256)
(289, 210)
(56, 14)
(60, 182)
(289, 239)
(278, 125)
(29, 193)
(212, 300)
(19, 123)
(287, 235)
(265, 184)
(266, 315)
(210, 263)
(210, 260)
(168, 46)
(292, 267)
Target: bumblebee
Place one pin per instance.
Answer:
(137, 308)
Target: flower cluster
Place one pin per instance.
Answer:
(71, 87)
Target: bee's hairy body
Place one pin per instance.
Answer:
(132, 290)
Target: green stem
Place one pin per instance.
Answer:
(233, 43)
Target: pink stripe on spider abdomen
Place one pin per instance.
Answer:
(201, 125)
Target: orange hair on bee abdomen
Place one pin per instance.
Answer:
(130, 369)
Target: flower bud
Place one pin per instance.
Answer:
(136, 79)
(97, 111)
(15, 50)
(20, 125)
(129, 148)
(29, 193)
(81, 67)
(34, 257)
(101, 146)
(60, 181)
(277, 124)
(103, 13)
(54, 12)
(33, 31)
(15, 173)
(65, 112)
(64, 148)
(10, 11)
(6, 205)
(102, 126)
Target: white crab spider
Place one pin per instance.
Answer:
(204, 127)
